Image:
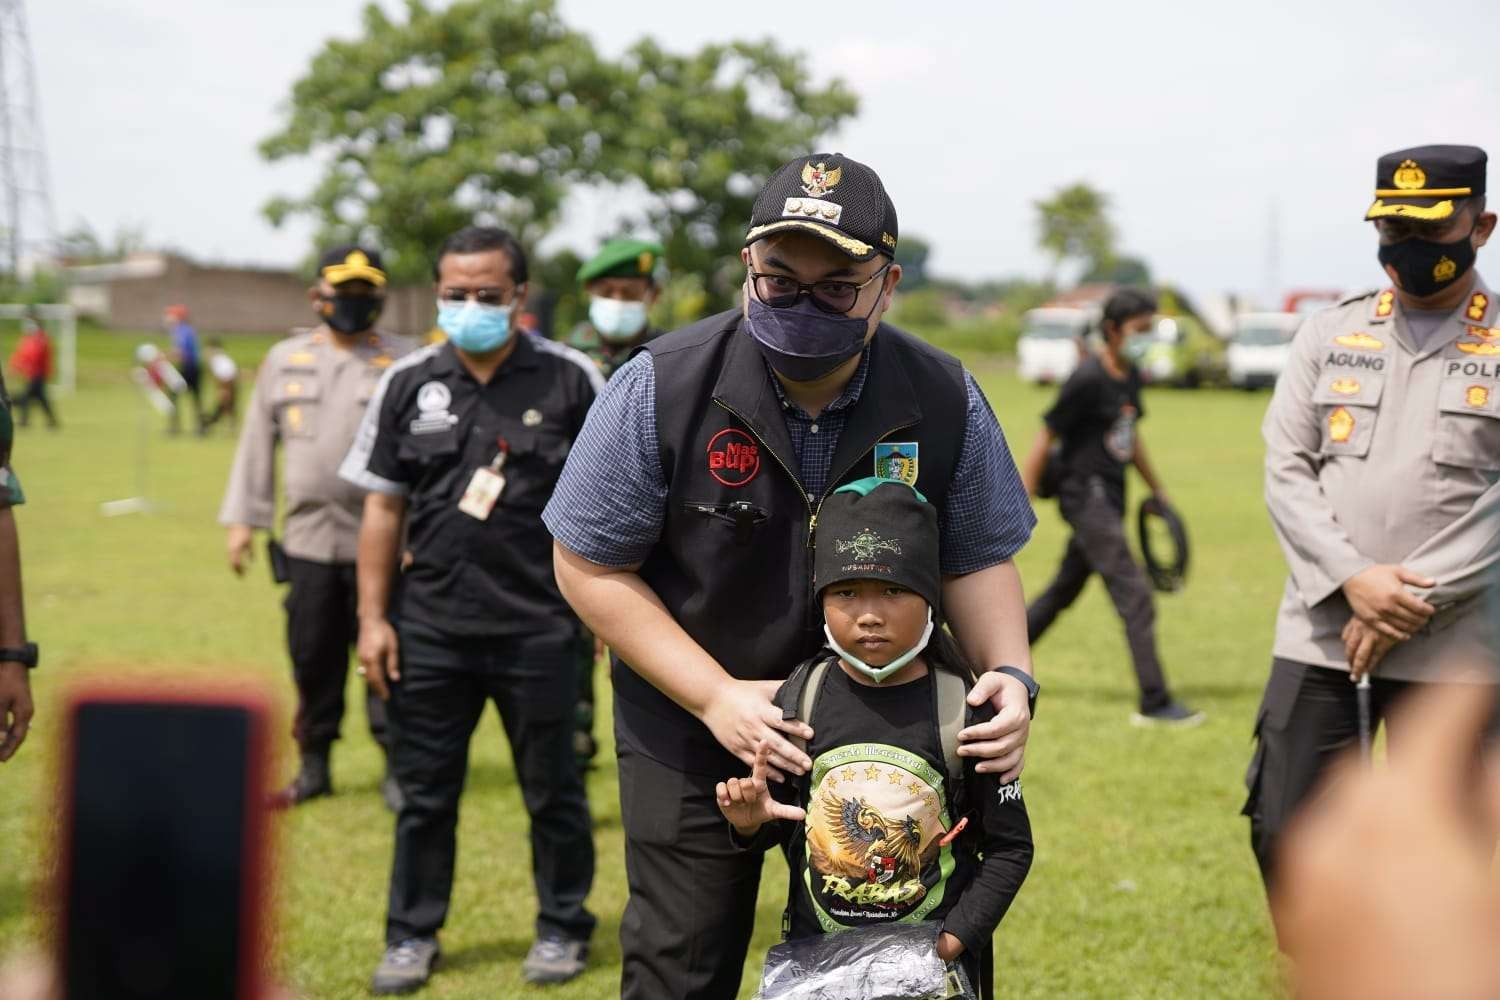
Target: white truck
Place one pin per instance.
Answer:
(1259, 348)
(1051, 343)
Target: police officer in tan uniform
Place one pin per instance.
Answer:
(1383, 481)
(309, 397)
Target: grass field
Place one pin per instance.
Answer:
(1143, 884)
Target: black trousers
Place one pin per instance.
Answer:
(1098, 545)
(1308, 717)
(36, 392)
(584, 744)
(321, 629)
(691, 910)
(193, 378)
(434, 707)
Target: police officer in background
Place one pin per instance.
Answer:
(1383, 482)
(463, 444)
(309, 397)
(684, 525)
(620, 282)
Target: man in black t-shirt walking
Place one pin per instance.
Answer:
(1093, 423)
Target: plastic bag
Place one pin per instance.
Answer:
(891, 962)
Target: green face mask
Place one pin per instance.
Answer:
(879, 674)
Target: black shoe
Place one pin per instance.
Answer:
(1173, 713)
(311, 782)
(406, 966)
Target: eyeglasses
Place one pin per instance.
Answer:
(484, 296)
(1396, 229)
(780, 291)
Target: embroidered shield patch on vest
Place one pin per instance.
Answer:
(897, 460)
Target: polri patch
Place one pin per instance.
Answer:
(897, 460)
(733, 457)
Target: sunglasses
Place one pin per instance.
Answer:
(780, 291)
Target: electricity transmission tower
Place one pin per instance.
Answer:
(26, 222)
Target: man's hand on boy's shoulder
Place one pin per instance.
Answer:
(1001, 741)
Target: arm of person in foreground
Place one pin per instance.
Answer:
(1381, 902)
(987, 612)
(621, 609)
(15, 685)
(1005, 847)
(379, 545)
(1318, 551)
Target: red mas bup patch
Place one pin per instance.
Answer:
(733, 457)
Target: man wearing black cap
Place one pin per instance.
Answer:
(684, 525)
(1382, 480)
(309, 397)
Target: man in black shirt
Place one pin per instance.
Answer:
(1093, 425)
(464, 441)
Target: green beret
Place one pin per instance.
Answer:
(622, 259)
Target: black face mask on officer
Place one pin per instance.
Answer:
(1426, 267)
(350, 313)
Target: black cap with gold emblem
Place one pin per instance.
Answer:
(831, 196)
(351, 263)
(1424, 182)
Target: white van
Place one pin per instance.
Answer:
(1051, 343)
(1260, 347)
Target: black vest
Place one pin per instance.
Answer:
(734, 563)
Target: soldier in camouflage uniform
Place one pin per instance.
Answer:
(620, 281)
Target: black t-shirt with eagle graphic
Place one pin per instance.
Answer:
(878, 806)
(1095, 416)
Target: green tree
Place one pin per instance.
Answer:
(1074, 225)
(912, 254)
(490, 110)
(1122, 270)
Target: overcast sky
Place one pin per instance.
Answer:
(1200, 121)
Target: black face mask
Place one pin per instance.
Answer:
(350, 313)
(1424, 267)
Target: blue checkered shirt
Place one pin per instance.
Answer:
(611, 500)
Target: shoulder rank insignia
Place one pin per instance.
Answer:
(1340, 425)
(1477, 306)
(1345, 386)
(381, 361)
(1477, 396)
(1360, 341)
(1385, 304)
(301, 358)
(1489, 333)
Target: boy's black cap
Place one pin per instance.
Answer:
(831, 196)
(879, 529)
(351, 263)
(1422, 182)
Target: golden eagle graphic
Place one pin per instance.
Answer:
(884, 849)
(817, 180)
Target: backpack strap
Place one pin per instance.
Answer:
(950, 692)
(797, 696)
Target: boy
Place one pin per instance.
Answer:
(884, 834)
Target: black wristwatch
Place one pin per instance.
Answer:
(1032, 687)
(24, 654)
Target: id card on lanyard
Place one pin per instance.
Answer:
(486, 485)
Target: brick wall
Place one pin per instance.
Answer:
(243, 300)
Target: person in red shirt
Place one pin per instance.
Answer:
(32, 360)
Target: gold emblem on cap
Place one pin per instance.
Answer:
(1477, 396)
(645, 262)
(1340, 425)
(818, 180)
(1409, 176)
(357, 258)
(1444, 270)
